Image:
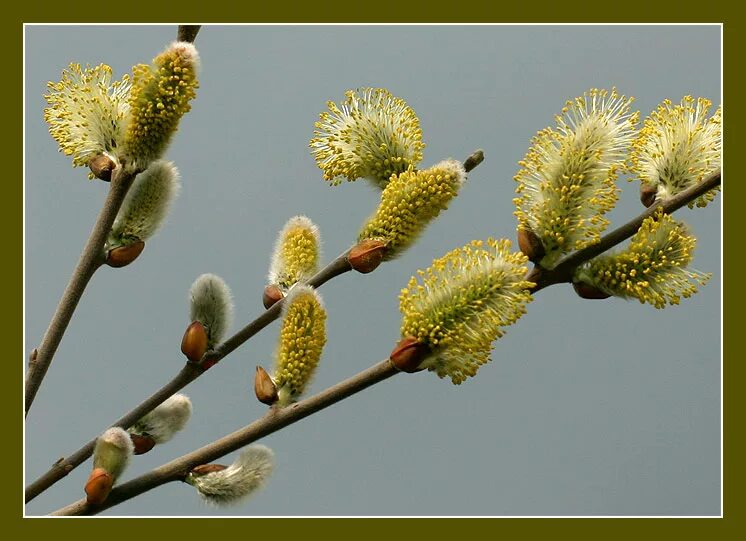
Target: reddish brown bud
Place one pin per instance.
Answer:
(143, 444)
(98, 486)
(207, 468)
(367, 255)
(102, 166)
(209, 363)
(647, 194)
(124, 255)
(264, 388)
(194, 342)
(409, 354)
(271, 295)
(588, 291)
(531, 245)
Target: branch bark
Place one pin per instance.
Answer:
(338, 266)
(275, 419)
(90, 260)
(563, 271)
(188, 32)
(272, 421)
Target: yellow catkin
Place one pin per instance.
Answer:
(567, 179)
(87, 111)
(410, 202)
(678, 147)
(296, 254)
(653, 268)
(371, 134)
(160, 96)
(302, 339)
(459, 305)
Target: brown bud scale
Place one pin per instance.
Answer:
(264, 388)
(647, 194)
(124, 255)
(142, 443)
(194, 342)
(271, 295)
(207, 468)
(531, 245)
(98, 487)
(409, 354)
(102, 166)
(587, 291)
(367, 255)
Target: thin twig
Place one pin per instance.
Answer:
(90, 260)
(188, 32)
(338, 266)
(277, 419)
(63, 466)
(188, 374)
(272, 421)
(564, 270)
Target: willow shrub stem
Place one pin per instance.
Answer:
(90, 260)
(187, 32)
(337, 267)
(272, 421)
(565, 269)
(275, 419)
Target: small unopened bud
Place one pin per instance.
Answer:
(367, 255)
(111, 455)
(222, 485)
(122, 256)
(587, 291)
(142, 444)
(531, 245)
(161, 424)
(264, 388)
(204, 469)
(194, 342)
(271, 295)
(98, 487)
(647, 194)
(409, 354)
(146, 205)
(102, 166)
(211, 304)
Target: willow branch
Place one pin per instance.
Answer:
(564, 270)
(90, 260)
(64, 466)
(272, 421)
(188, 374)
(276, 419)
(188, 32)
(338, 266)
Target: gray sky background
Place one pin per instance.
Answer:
(588, 408)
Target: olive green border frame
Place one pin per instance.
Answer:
(380, 11)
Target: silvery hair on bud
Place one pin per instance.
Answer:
(296, 291)
(244, 477)
(113, 451)
(211, 305)
(147, 202)
(187, 50)
(166, 420)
